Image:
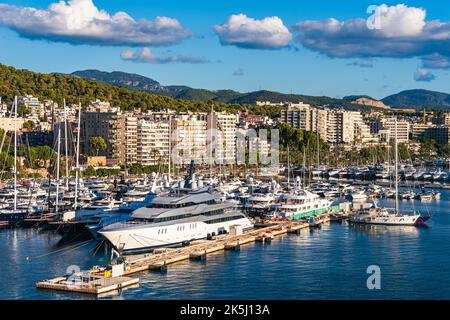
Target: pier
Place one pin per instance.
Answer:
(93, 285)
(97, 282)
(198, 250)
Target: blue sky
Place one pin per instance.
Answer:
(201, 56)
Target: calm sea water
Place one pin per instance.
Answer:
(329, 263)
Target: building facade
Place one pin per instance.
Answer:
(102, 120)
(153, 142)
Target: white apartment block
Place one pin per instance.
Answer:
(336, 126)
(153, 142)
(131, 129)
(189, 138)
(402, 132)
(222, 136)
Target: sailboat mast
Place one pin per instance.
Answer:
(15, 153)
(318, 142)
(396, 169)
(170, 146)
(66, 146)
(57, 167)
(77, 156)
(288, 170)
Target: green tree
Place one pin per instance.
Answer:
(23, 110)
(29, 125)
(97, 144)
(89, 172)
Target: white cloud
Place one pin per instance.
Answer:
(246, 32)
(146, 55)
(403, 33)
(400, 20)
(81, 22)
(424, 75)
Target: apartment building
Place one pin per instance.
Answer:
(221, 142)
(402, 132)
(418, 129)
(153, 142)
(131, 137)
(100, 119)
(439, 133)
(189, 138)
(336, 126)
(299, 115)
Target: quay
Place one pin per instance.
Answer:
(198, 250)
(88, 283)
(116, 276)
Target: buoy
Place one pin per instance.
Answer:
(27, 258)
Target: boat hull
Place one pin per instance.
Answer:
(146, 238)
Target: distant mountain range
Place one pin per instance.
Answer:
(137, 82)
(411, 99)
(419, 99)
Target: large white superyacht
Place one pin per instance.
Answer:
(175, 218)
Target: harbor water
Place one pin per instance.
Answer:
(326, 263)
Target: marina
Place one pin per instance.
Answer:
(307, 255)
(153, 224)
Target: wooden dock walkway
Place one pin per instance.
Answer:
(96, 285)
(159, 259)
(198, 250)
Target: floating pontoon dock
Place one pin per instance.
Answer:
(99, 282)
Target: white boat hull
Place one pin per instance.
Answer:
(146, 237)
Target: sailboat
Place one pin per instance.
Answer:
(12, 216)
(382, 216)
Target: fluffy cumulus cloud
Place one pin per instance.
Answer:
(246, 32)
(392, 31)
(424, 75)
(145, 55)
(81, 22)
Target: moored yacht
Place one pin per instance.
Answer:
(174, 219)
(184, 214)
(300, 204)
(382, 216)
(260, 204)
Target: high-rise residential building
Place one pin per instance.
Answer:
(221, 137)
(336, 126)
(131, 136)
(153, 142)
(439, 133)
(188, 138)
(417, 129)
(298, 115)
(102, 120)
(341, 126)
(402, 132)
